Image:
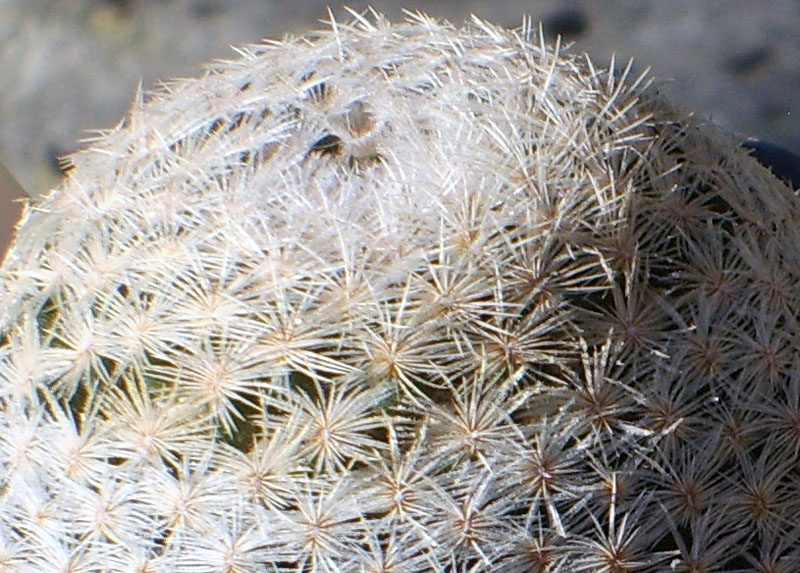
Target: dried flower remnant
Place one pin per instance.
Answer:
(403, 297)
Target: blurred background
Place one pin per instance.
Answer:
(68, 66)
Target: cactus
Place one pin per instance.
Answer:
(403, 297)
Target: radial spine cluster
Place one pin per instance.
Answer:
(404, 298)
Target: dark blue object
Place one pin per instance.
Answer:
(783, 163)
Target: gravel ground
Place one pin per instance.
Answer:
(72, 65)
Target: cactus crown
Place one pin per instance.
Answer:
(403, 298)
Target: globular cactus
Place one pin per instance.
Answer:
(404, 298)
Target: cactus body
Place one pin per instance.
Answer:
(403, 298)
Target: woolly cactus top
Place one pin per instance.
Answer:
(403, 298)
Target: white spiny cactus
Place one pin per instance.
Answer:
(404, 298)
